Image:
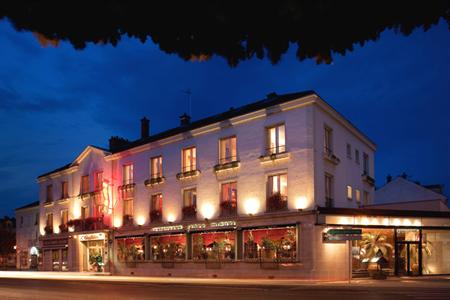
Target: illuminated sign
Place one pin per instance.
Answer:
(167, 228)
(338, 235)
(92, 237)
(196, 226)
(223, 224)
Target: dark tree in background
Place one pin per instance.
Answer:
(7, 241)
(235, 30)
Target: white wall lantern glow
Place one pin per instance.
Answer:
(117, 222)
(301, 202)
(140, 220)
(171, 218)
(208, 210)
(251, 206)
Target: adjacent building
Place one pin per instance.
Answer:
(250, 192)
(27, 236)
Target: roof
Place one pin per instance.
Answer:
(381, 212)
(272, 99)
(29, 205)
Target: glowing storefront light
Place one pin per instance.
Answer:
(301, 202)
(251, 206)
(117, 222)
(373, 221)
(140, 220)
(171, 218)
(208, 210)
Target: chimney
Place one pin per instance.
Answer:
(116, 143)
(145, 128)
(185, 119)
(388, 178)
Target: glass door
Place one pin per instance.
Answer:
(408, 259)
(95, 256)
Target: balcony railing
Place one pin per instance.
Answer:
(155, 216)
(87, 224)
(188, 174)
(228, 209)
(274, 154)
(368, 179)
(127, 220)
(154, 181)
(330, 156)
(276, 202)
(63, 228)
(189, 212)
(226, 165)
(48, 229)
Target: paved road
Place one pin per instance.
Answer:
(68, 289)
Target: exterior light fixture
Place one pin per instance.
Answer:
(208, 211)
(301, 203)
(251, 206)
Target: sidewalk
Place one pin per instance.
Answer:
(424, 281)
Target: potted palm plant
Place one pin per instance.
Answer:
(375, 249)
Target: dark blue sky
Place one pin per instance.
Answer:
(55, 101)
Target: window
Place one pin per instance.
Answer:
(84, 212)
(156, 202)
(276, 139)
(328, 190)
(227, 150)
(156, 167)
(127, 174)
(357, 195)
(328, 140)
(366, 163)
(55, 260)
(98, 181)
(168, 247)
(349, 192)
(189, 159)
(190, 197)
(366, 197)
(357, 156)
(49, 193)
(349, 151)
(215, 246)
(130, 249)
(228, 201)
(64, 190)
(85, 184)
(270, 244)
(128, 207)
(64, 217)
(276, 192)
(49, 221)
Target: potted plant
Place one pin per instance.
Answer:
(276, 202)
(268, 248)
(63, 228)
(48, 229)
(250, 247)
(155, 215)
(189, 211)
(376, 249)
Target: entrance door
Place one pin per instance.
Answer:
(408, 259)
(95, 256)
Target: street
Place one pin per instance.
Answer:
(103, 288)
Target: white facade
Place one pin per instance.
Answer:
(27, 236)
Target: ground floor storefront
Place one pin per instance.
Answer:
(278, 245)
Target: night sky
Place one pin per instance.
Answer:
(54, 101)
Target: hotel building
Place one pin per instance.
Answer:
(251, 192)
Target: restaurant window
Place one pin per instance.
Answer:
(189, 162)
(98, 181)
(435, 251)
(349, 192)
(49, 193)
(328, 140)
(357, 195)
(227, 150)
(156, 167)
(349, 151)
(329, 190)
(127, 174)
(85, 184)
(218, 246)
(366, 163)
(168, 247)
(228, 201)
(276, 139)
(277, 192)
(64, 260)
(357, 156)
(189, 203)
(270, 244)
(156, 204)
(55, 260)
(130, 249)
(376, 246)
(64, 190)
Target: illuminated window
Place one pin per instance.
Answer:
(98, 181)
(216, 246)
(85, 184)
(49, 220)
(130, 249)
(227, 150)
(276, 138)
(128, 207)
(49, 193)
(64, 190)
(276, 192)
(156, 167)
(349, 151)
(190, 197)
(168, 247)
(270, 244)
(328, 140)
(189, 159)
(127, 174)
(228, 201)
(64, 217)
(349, 192)
(156, 203)
(357, 195)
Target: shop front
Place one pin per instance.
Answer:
(94, 251)
(55, 254)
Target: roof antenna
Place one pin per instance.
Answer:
(188, 92)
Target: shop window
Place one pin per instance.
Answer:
(218, 246)
(85, 184)
(271, 244)
(408, 235)
(168, 247)
(130, 249)
(189, 162)
(227, 150)
(55, 260)
(276, 192)
(64, 255)
(435, 251)
(376, 245)
(228, 203)
(276, 139)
